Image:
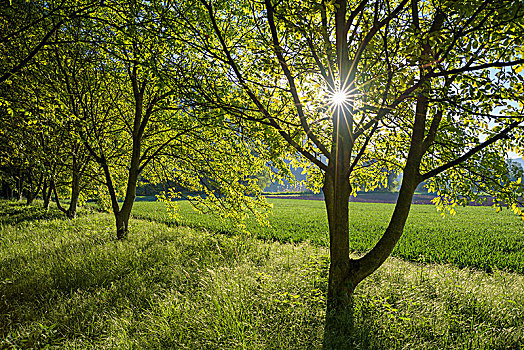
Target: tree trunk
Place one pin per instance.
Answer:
(338, 322)
(31, 195)
(11, 193)
(73, 205)
(20, 186)
(75, 190)
(29, 191)
(336, 197)
(46, 194)
(346, 273)
(122, 216)
(57, 199)
(122, 224)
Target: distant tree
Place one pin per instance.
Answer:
(515, 170)
(29, 37)
(22, 154)
(413, 84)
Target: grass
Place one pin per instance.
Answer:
(475, 237)
(67, 284)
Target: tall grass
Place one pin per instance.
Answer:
(66, 284)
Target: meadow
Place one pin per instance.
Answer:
(68, 284)
(476, 237)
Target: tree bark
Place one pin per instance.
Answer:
(336, 197)
(122, 224)
(346, 273)
(46, 194)
(57, 199)
(75, 189)
(20, 186)
(122, 216)
(31, 195)
(139, 124)
(340, 289)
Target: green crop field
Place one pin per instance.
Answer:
(475, 237)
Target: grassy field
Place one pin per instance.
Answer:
(67, 284)
(475, 237)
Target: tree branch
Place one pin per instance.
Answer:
(472, 151)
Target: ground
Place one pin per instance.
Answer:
(67, 284)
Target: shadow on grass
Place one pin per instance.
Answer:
(13, 212)
(343, 331)
(89, 289)
(228, 232)
(99, 273)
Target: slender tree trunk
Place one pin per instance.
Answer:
(57, 199)
(46, 194)
(20, 186)
(123, 215)
(75, 190)
(139, 123)
(31, 195)
(73, 205)
(44, 188)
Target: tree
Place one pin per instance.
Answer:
(21, 153)
(28, 27)
(26, 46)
(429, 89)
(132, 120)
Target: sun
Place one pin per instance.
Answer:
(338, 97)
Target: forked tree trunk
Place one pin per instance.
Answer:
(73, 204)
(346, 273)
(57, 199)
(123, 215)
(336, 197)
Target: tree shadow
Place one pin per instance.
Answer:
(38, 290)
(342, 330)
(15, 212)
